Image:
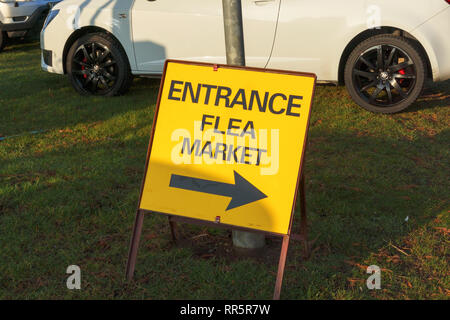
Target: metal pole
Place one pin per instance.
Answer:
(234, 32)
(234, 43)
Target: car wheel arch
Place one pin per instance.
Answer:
(366, 34)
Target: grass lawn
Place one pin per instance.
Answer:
(377, 189)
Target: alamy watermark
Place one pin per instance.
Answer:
(74, 280)
(374, 281)
(240, 144)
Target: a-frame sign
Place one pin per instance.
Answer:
(227, 149)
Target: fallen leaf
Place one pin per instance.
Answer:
(443, 230)
(150, 236)
(407, 187)
(354, 282)
(356, 265)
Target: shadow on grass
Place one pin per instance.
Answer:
(26, 44)
(42, 101)
(76, 204)
(73, 202)
(31, 99)
(435, 95)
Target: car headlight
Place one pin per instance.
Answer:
(51, 15)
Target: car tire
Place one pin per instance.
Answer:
(385, 73)
(3, 39)
(96, 64)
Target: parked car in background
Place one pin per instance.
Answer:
(19, 18)
(382, 50)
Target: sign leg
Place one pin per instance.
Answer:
(303, 217)
(134, 245)
(281, 265)
(173, 229)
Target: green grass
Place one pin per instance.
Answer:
(68, 196)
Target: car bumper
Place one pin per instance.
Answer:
(22, 23)
(50, 62)
(53, 40)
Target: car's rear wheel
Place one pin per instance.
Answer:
(97, 65)
(385, 74)
(3, 38)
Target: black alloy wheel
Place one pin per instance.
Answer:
(385, 74)
(95, 68)
(97, 65)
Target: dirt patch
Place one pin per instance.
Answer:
(210, 244)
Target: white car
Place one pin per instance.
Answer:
(19, 17)
(383, 50)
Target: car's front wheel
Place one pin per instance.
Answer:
(385, 74)
(97, 65)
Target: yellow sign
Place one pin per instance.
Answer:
(227, 145)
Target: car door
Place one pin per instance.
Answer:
(260, 24)
(311, 35)
(193, 30)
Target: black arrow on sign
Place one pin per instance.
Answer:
(241, 192)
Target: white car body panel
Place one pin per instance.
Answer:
(8, 10)
(22, 15)
(434, 35)
(299, 35)
(312, 35)
(199, 24)
(76, 14)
